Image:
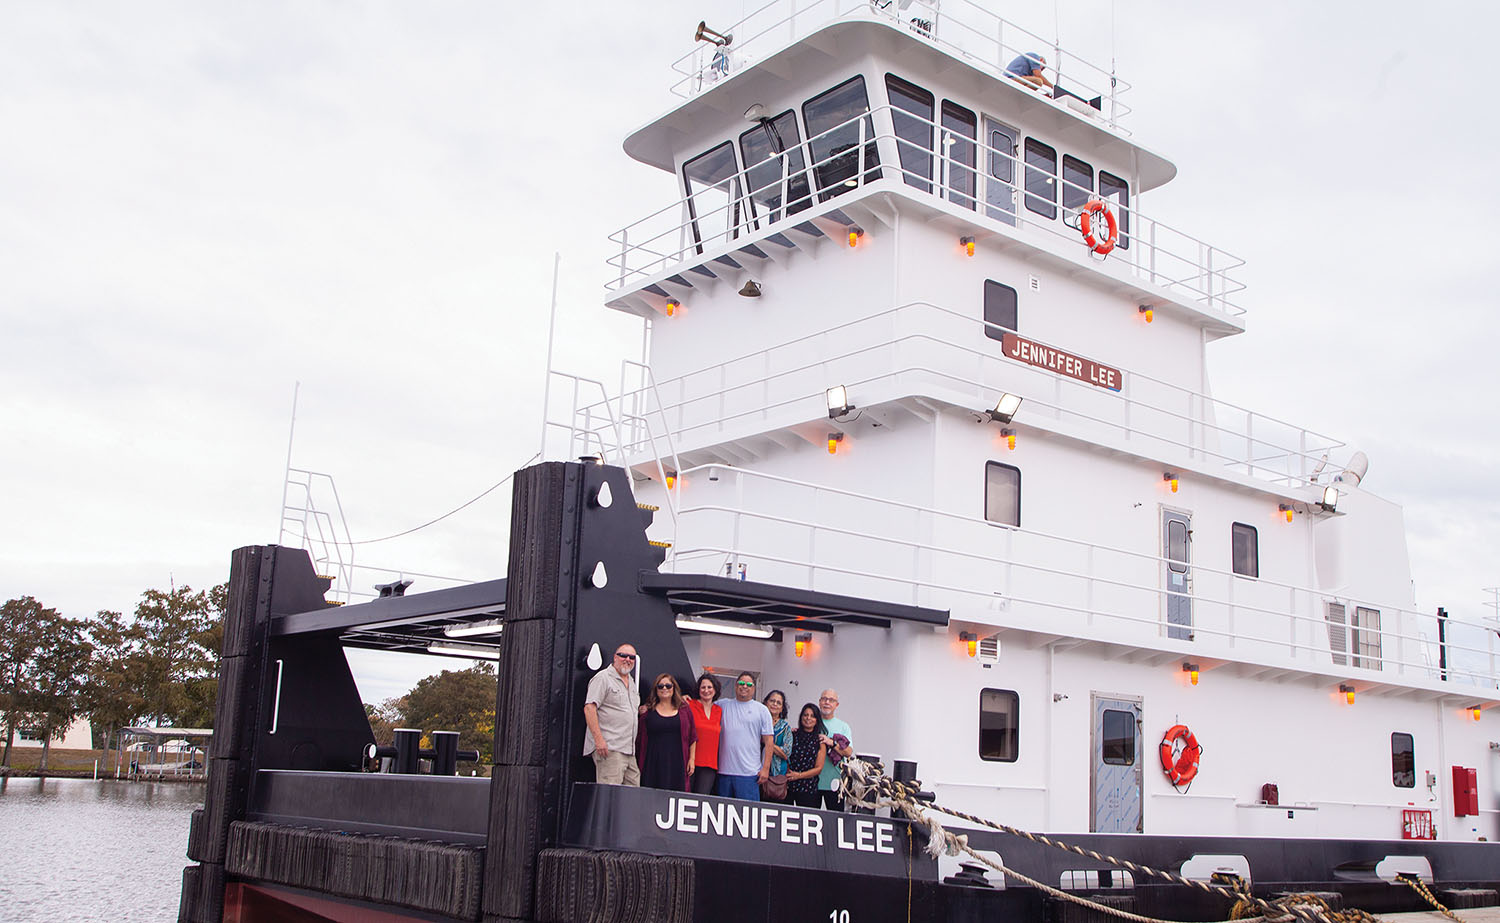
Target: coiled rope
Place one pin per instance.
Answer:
(866, 785)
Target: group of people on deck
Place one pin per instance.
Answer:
(714, 744)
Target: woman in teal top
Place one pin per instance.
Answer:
(781, 731)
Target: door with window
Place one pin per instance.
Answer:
(999, 170)
(1115, 777)
(1177, 549)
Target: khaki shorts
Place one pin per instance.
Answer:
(616, 768)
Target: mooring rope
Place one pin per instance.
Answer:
(866, 786)
(1416, 884)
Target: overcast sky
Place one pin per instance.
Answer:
(204, 203)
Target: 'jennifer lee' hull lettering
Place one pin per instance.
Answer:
(1045, 357)
(749, 820)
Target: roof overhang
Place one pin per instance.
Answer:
(778, 607)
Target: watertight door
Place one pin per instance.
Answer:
(1116, 774)
(999, 170)
(1177, 548)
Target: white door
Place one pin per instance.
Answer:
(1000, 170)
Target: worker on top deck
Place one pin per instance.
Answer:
(1027, 68)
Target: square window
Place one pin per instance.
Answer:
(999, 725)
(1002, 494)
(1000, 309)
(1245, 549)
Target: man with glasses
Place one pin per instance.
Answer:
(610, 710)
(831, 797)
(744, 742)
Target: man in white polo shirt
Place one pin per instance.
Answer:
(610, 709)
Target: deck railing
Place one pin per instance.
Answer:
(990, 186)
(949, 351)
(962, 28)
(901, 551)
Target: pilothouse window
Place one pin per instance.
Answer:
(713, 195)
(960, 128)
(1078, 182)
(1041, 178)
(913, 130)
(1117, 192)
(776, 179)
(999, 725)
(833, 129)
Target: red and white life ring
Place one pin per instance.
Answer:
(1094, 218)
(1181, 766)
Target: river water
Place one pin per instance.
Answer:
(83, 851)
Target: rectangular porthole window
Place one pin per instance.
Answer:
(1078, 182)
(1245, 550)
(1041, 178)
(1403, 761)
(1000, 303)
(911, 116)
(1116, 191)
(1119, 737)
(1002, 494)
(999, 725)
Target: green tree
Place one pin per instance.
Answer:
(112, 698)
(179, 624)
(457, 700)
(59, 675)
(20, 635)
(385, 718)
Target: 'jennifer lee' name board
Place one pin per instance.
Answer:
(1055, 360)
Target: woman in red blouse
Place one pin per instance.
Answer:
(708, 718)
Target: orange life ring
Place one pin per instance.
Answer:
(1099, 243)
(1181, 767)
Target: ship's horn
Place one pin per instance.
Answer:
(705, 34)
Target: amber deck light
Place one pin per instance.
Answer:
(971, 642)
(1171, 479)
(1191, 669)
(968, 244)
(833, 442)
(1285, 509)
(1474, 710)
(672, 307)
(855, 233)
(803, 640)
(1148, 312)
(1348, 692)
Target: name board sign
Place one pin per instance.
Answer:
(1055, 360)
(702, 827)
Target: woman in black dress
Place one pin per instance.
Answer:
(806, 759)
(666, 738)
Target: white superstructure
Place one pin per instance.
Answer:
(1126, 554)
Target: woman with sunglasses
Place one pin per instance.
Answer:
(666, 738)
(709, 719)
(806, 759)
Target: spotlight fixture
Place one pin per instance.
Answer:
(968, 244)
(1148, 312)
(725, 628)
(833, 442)
(1191, 669)
(855, 233)
(1005, 408)
(970, 640)
(802, 641)
(1330, 499)
(672, 305)
(1010, 438)
(751, 289)
(1348, 692)
(1285, 509)
(838, 401)
(1171, 479)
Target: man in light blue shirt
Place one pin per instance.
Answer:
(744, 742)
(1027, 68)
(828, 790)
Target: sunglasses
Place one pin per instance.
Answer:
(665, 686)
(743, 683)
(626, 656)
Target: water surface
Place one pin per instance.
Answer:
(80, 850)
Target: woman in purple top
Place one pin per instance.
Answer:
(666, 738)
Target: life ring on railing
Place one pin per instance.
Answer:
(1095, 217)
(1181, 766)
